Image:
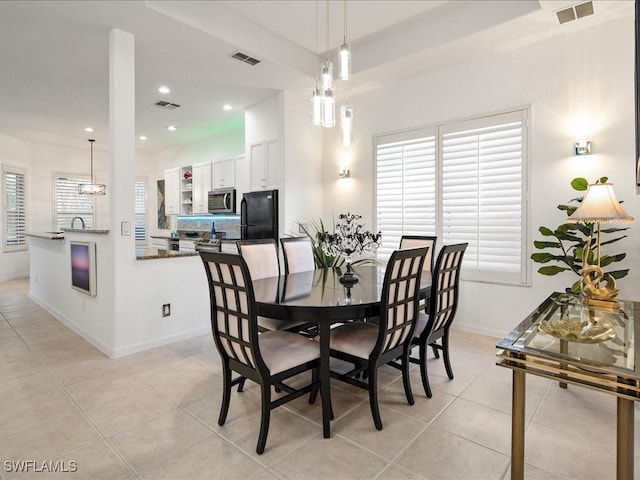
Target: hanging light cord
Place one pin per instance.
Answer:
(345, 21)
(91, 142)
(316, 50)
(326, 40)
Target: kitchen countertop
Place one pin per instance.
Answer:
(47, 235)
(85, 230)
(148, 253)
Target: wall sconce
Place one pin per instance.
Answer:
(582, 147)
(344, 173)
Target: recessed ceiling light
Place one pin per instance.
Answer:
(227, 107)
(88, 129)
(164, 89)
(142, 137)
(172, 128)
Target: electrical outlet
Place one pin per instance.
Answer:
(166, 309)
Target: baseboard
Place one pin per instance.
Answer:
(140, 347)
(106, 349)
(15, 277)
(480, 331)
(110, 351)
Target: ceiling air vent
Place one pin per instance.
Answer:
(243, 57)
(577, 11)
(167, 105)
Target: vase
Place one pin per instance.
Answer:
(349, 278)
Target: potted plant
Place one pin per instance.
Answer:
(567, 243)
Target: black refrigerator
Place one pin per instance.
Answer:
(259, 215)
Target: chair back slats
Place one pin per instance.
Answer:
(298, 254)
(415, 241)
(233, 319)
(261, 257)
(400, 294)
(444, 287)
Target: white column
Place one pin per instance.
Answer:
(122, 171)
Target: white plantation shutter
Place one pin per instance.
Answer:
(464, 183)
(405, 188)
(482, 194)
(69, 203)
(140, 210)
(15, 210)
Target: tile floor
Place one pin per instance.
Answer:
(153, 415)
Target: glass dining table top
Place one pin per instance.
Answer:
(565, 328)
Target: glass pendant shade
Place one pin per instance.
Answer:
(328, 109)
(345, 61)
(316, 106)
(326, 70)
(346, 125)
(92, 188)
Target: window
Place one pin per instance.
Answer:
(464, 182)
(141, 210)
(70, 204)
(14, 209)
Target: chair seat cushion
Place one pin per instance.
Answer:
(421, 324)
(357, 338)
(273, 324)
(284, 350)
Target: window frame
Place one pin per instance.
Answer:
(523, 276)
(145, 181)
(23, 244)
(76, 176)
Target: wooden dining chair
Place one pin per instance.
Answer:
(267, 358)
(298, 254)
(415, 241)
(261, 257)
(443, 303)
(369, 345)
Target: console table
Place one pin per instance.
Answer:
(569, 341)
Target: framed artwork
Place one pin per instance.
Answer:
(83, 267)
(163, 221)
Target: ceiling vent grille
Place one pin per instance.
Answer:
(243, 57)
(167, 105)
(577, 11)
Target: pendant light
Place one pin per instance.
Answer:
(345, 53)
(92, 188)
(329, 103)
(316, 93)
(346, 125)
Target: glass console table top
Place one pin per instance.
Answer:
(564, 328)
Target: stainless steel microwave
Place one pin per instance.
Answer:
(222, 200)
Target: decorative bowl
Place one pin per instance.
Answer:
(577, 330)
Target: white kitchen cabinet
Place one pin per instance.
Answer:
(186, 190)
(265, 165)
(172, 191)
(224, 173)
(201, 184)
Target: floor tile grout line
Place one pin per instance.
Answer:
(73, 400)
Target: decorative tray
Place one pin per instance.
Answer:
(577, 330)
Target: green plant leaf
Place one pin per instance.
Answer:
(618, 273)
(576, 287)
(552, 270)
(602, 180)
(580, 184)
(539, 244)
(547, 232)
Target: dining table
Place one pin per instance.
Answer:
(317, 296)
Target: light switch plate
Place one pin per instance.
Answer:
(125, 229)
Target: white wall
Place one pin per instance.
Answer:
(588, 72)
(15, 153)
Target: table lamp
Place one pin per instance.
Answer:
(598, 206)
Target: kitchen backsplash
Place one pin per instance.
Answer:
(202, 223)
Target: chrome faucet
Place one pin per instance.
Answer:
(78, 218)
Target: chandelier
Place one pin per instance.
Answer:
(323, 103)
(92, 188)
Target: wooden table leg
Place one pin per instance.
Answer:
(517, 425)
(624, 451)
(325, 387)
